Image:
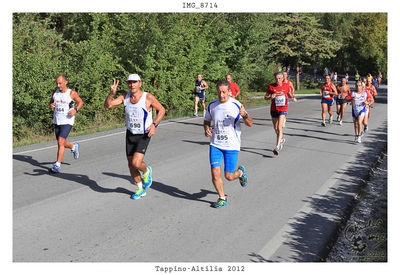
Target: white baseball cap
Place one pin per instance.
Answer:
(133, 77)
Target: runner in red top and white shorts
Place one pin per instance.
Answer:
(278, 93)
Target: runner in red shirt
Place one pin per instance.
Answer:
(372, 90)
(278, 93)
(369, 88)
(235, 91)
(328, 91)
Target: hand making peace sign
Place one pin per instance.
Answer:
(113, 88)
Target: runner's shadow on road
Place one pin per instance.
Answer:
(254, 151)
(170, 190)
(78, 178)
(34, 162)
(84, 180)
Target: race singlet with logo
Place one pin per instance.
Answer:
(358, 101)
(226, 128)
(63, 104)
(138, 119)
(326, 88)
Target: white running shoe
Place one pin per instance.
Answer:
(341, 122)
(359, 139)
(330, 119)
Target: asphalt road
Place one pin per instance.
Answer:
(288, 211)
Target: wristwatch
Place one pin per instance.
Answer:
(246, 116)
(155, 124)
(76, 109)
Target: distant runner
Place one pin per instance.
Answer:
(343, 91)
(359, 101)
(279, 94)
(62, 102)
(235, 91)
(328, 91)
(372, 91)
(222, 126)
(200, 94)
(138, 108)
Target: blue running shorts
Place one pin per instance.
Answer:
(327, 101)
(230, 158)
(62, 130)
(276, 114)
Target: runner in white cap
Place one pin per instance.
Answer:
(138, 107)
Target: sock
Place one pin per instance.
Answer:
(240, 173)
(139, 185)
(73, 148)
(222, 198)
(58, 164)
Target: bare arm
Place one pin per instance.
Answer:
(248, 120)
(154, 103)
(334, 90)
(75, 97)
(52, 104)
(207, 128)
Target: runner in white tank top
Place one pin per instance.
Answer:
(140, 127)
(62, 102)
(138, 119)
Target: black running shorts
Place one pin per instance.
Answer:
(136, 143)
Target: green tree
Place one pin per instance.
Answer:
(300, 39)
(37, 59)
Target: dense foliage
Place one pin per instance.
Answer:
(168, 50)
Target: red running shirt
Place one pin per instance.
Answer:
(234, 89)
(279, 103)
(327, 87)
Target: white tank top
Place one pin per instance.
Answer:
(63, 103)
(224, 118)
(138, 119)
(358, 101)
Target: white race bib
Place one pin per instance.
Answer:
(280, 100)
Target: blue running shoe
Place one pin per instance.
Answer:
(76, 151)
(243, 178)
(219, 203)
(147, 178)
(138, 194)
(55, 169)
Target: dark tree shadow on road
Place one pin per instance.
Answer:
(313, 234)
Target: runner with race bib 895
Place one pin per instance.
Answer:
(222, 126)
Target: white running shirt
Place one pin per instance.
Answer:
(138, 119)
(62, 106)
(226, 129)
(358, 101)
